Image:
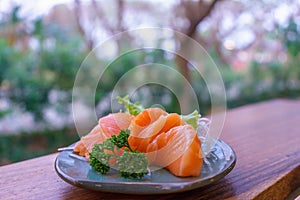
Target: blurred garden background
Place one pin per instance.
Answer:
(255, 44)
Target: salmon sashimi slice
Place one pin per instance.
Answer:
(84, 145)
(190, 163)
(113, 123)
(178, 150)
(108, 126)
(173, 120)
(148, 124)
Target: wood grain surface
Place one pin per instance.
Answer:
(265, 137)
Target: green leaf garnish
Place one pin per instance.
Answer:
(131, 108)
(192, 118)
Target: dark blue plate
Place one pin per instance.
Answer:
(78, 172)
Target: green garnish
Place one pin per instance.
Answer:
(131, 164)
(122, 139)
(99, 160)
(192, 118)
(131, 108)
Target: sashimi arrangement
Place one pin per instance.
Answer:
(140, 139)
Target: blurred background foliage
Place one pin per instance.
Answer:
(255, 46)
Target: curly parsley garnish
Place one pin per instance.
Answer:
(116, 152)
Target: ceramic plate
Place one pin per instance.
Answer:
(78, 172)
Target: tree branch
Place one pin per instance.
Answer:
(198, 14)
(89, 42)
(120, 14)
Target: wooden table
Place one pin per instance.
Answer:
(265, 137)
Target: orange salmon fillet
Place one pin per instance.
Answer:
(108, 126)
(178, 150)
(167, 141)
(148, 124)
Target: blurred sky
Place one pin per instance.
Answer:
(39, 7)
(29, 8)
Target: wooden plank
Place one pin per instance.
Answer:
(265, 137)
